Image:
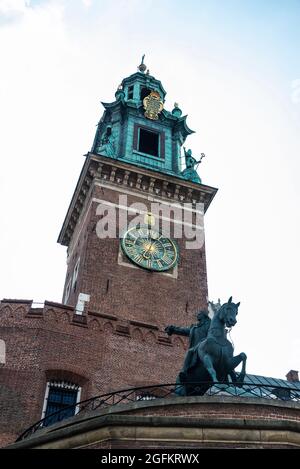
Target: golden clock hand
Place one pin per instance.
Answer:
(147, 251)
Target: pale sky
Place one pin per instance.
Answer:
(234, 68)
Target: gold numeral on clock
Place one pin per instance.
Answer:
(168, 245)
(142, 233)
(138, 258)
(129, 242)
(167, 259)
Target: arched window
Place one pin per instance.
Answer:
(61, 399)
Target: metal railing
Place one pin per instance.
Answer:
(162, 391)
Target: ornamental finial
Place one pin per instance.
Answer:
(142, 67)
(176, 111)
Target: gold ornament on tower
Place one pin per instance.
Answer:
(153, 105)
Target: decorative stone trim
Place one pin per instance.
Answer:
(55, 313)
(98, 167)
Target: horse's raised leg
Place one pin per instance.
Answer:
(243, 371)
(234, 362)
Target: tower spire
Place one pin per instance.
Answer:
(142, 67)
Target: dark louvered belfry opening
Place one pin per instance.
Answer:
(149, 142)
(145, 92)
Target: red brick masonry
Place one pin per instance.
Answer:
(99, 352)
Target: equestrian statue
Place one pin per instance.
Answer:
(209, 358)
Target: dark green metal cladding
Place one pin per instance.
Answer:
(126, 134)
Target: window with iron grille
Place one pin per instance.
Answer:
(145, 396)
(60, 401)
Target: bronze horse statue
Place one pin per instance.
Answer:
(213, 359)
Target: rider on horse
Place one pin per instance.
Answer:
(196, 333)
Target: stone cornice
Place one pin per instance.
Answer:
(123, 174)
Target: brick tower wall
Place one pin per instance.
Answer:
(118, 287)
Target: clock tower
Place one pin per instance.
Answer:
(134, 228)
(136, 263)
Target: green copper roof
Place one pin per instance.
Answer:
(136, 128)
(264, 387)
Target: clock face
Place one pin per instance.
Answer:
(149, 249)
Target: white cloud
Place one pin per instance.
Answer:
(13, 5)
(12, 9)
(87, 3)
